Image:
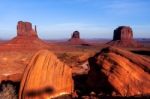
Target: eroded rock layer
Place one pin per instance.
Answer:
(45, 77)
(119, 71)
(123, 36)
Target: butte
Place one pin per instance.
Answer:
(16, 53)
(123, 37)
(76, 40)
(26, 39)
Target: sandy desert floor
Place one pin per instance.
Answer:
(73, 55)
(76, 56)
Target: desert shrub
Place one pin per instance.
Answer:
(7, 91)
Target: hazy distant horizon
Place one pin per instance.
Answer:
(57, 19)
(67, 38)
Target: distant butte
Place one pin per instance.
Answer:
(16, 53)
(26, 39)
(75, 39)
(24, 29)
(123, 37)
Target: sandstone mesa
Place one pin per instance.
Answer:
(123, 37)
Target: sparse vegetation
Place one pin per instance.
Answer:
(8, 91)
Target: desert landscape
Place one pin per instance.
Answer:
(74, 49)
(74, 68)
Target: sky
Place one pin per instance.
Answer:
(57, 19)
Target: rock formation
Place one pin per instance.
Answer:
(45, 77)
(25, 29)
(75, 39)
(123, 33)
(26, 39)
(114, 70)
(76, 34)
(123, 36)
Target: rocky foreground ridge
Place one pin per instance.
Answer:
(119, 72)
(46, 77)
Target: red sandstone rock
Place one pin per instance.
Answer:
(25, 29)
(75, 39)
(46, 77)
(118, 70)
(123, 36)
(123, 33)
(26, 39)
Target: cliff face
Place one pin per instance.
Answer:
(46, 77)
(25, 29)
(119, 71)
(123, 36)
(123, 33)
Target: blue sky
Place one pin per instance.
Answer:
(57, 19)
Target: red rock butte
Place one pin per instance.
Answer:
(123, 36)
(75, 39)
(26, 39)
(25, 29)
